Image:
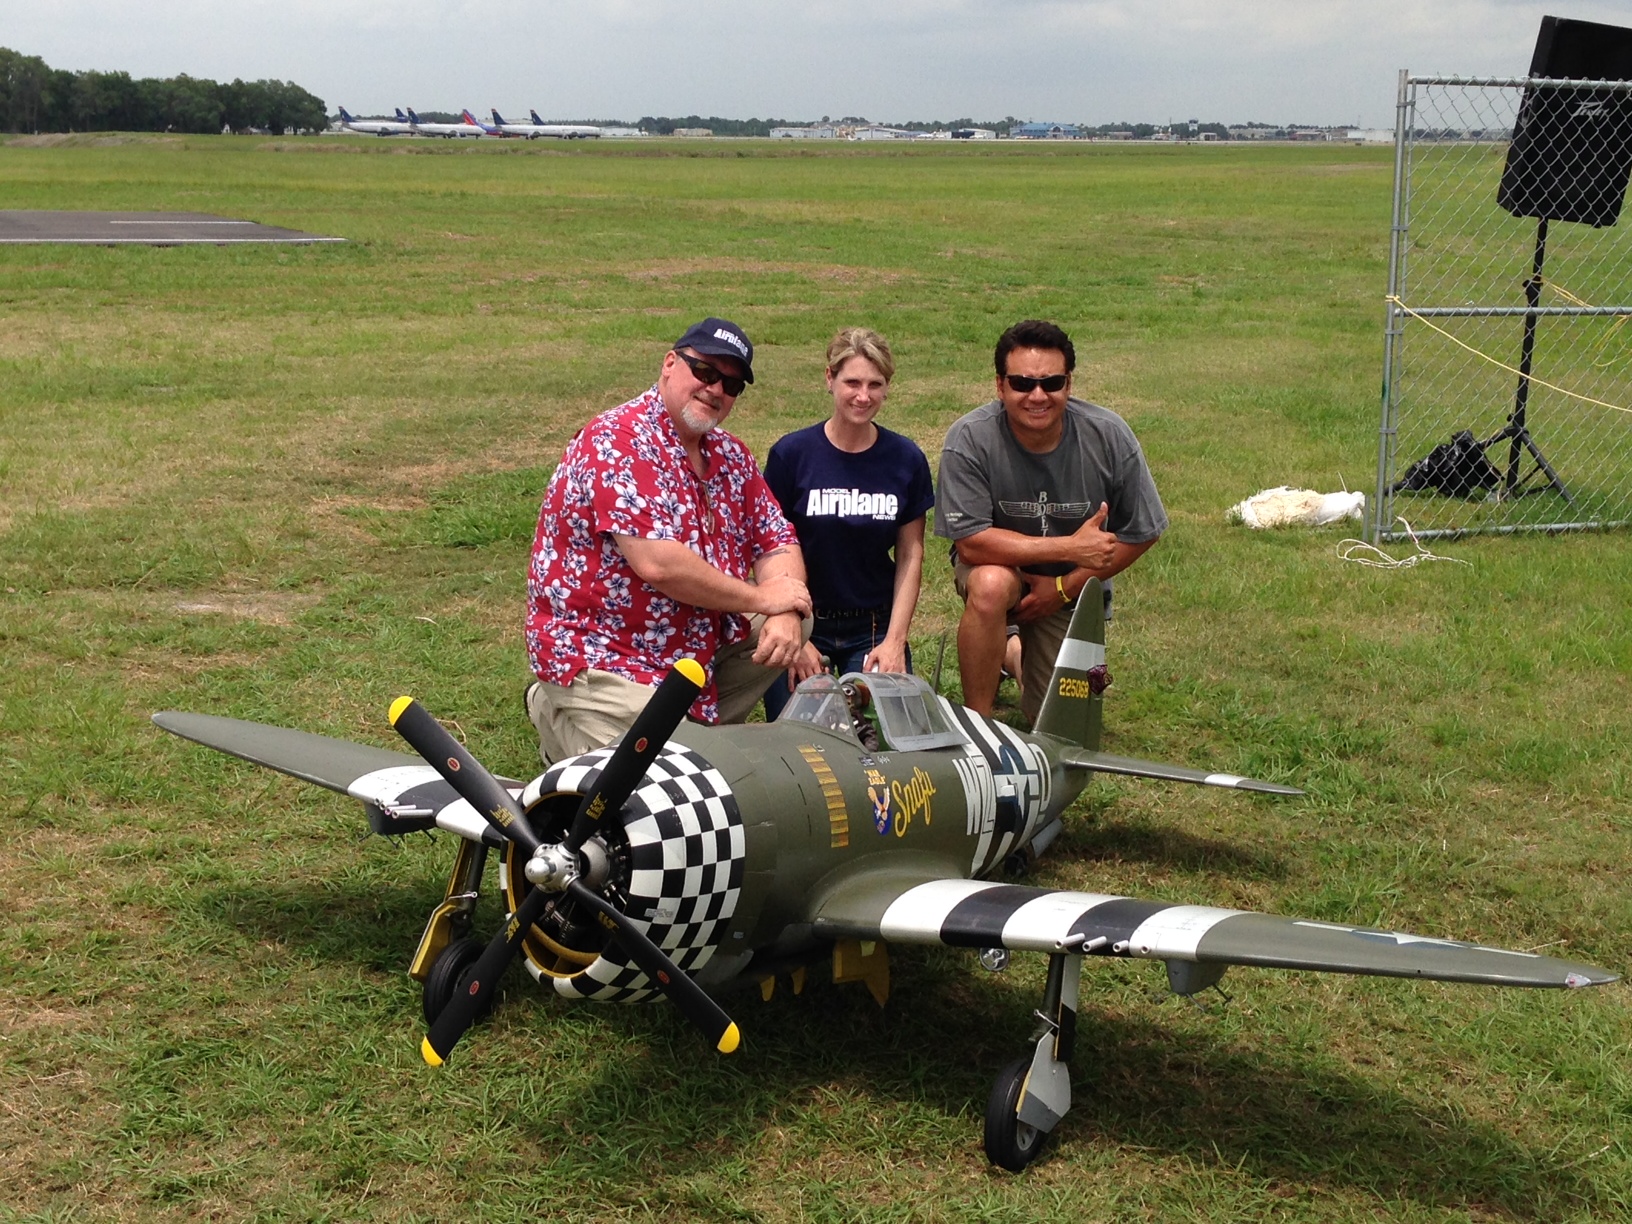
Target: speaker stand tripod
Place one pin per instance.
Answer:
(1515, 431)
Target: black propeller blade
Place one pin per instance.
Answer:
(472, 999)
(690, 998)
(462, 771)
(616, 782)
(637, 749)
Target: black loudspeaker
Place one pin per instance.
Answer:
(1572, 148)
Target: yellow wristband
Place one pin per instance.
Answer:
(1059, 585)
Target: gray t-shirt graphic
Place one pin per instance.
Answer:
(989, 480)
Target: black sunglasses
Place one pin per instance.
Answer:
(708, 375)
(1021, 385)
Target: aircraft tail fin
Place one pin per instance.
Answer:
(469, 118)
(498, 119)
(401, 118)
(413, 118)
(1072, 704)
(537, 122)
(344, 117)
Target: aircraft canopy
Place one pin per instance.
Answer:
(908, 714)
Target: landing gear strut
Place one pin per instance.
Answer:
(449, 927)
(1032, 1094)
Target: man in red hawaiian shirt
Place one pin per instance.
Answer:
(659, 540)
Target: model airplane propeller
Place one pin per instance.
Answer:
(872, 812)
(560, 868)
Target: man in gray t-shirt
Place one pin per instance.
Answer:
(1039, 492)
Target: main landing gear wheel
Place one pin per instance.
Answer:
(1010, 1143)
(449, 967)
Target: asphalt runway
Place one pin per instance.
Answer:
(144, 228)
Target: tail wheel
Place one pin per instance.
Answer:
(1010, 1143)
(449, 967)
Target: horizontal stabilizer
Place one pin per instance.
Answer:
(982, 914)
(332, 763)
(1104, 762)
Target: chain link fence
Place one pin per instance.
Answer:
(1507, 379)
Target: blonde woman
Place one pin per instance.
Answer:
(857, 494)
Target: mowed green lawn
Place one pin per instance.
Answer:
(289, 484)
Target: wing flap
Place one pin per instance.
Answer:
(1104, 762)
(983, 914)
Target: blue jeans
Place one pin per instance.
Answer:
(845, 641)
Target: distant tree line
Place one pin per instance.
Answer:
(35, 97)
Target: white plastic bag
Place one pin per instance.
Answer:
(1284, 507)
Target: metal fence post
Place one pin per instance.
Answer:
(1392, 319)
(1464, 274)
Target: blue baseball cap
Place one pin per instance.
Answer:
(720, 338)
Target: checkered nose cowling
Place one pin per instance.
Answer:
(686, 850)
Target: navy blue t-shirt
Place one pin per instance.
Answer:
(847, 510)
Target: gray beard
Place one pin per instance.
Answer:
(696, 423)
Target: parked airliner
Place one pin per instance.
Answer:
(537, 128)
(449, 130)
(377, 127)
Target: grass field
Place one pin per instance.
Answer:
(288, 484)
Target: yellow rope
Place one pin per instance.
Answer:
(1540, 382)
(1566, 294)
(1602, 346)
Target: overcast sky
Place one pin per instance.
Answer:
(1093, 61)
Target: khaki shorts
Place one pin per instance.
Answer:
(1040, 643)
(598, 706)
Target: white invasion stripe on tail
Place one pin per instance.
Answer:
(1077, 655)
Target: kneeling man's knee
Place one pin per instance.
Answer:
(991, 590)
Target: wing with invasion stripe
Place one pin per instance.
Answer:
(401, 792)
(982, 914)
(1104, 762)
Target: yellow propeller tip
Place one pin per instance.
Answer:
(731, 1038)
(693, 671)
(430, 1055)
(398, 706)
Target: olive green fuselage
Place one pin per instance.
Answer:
(821, 812)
